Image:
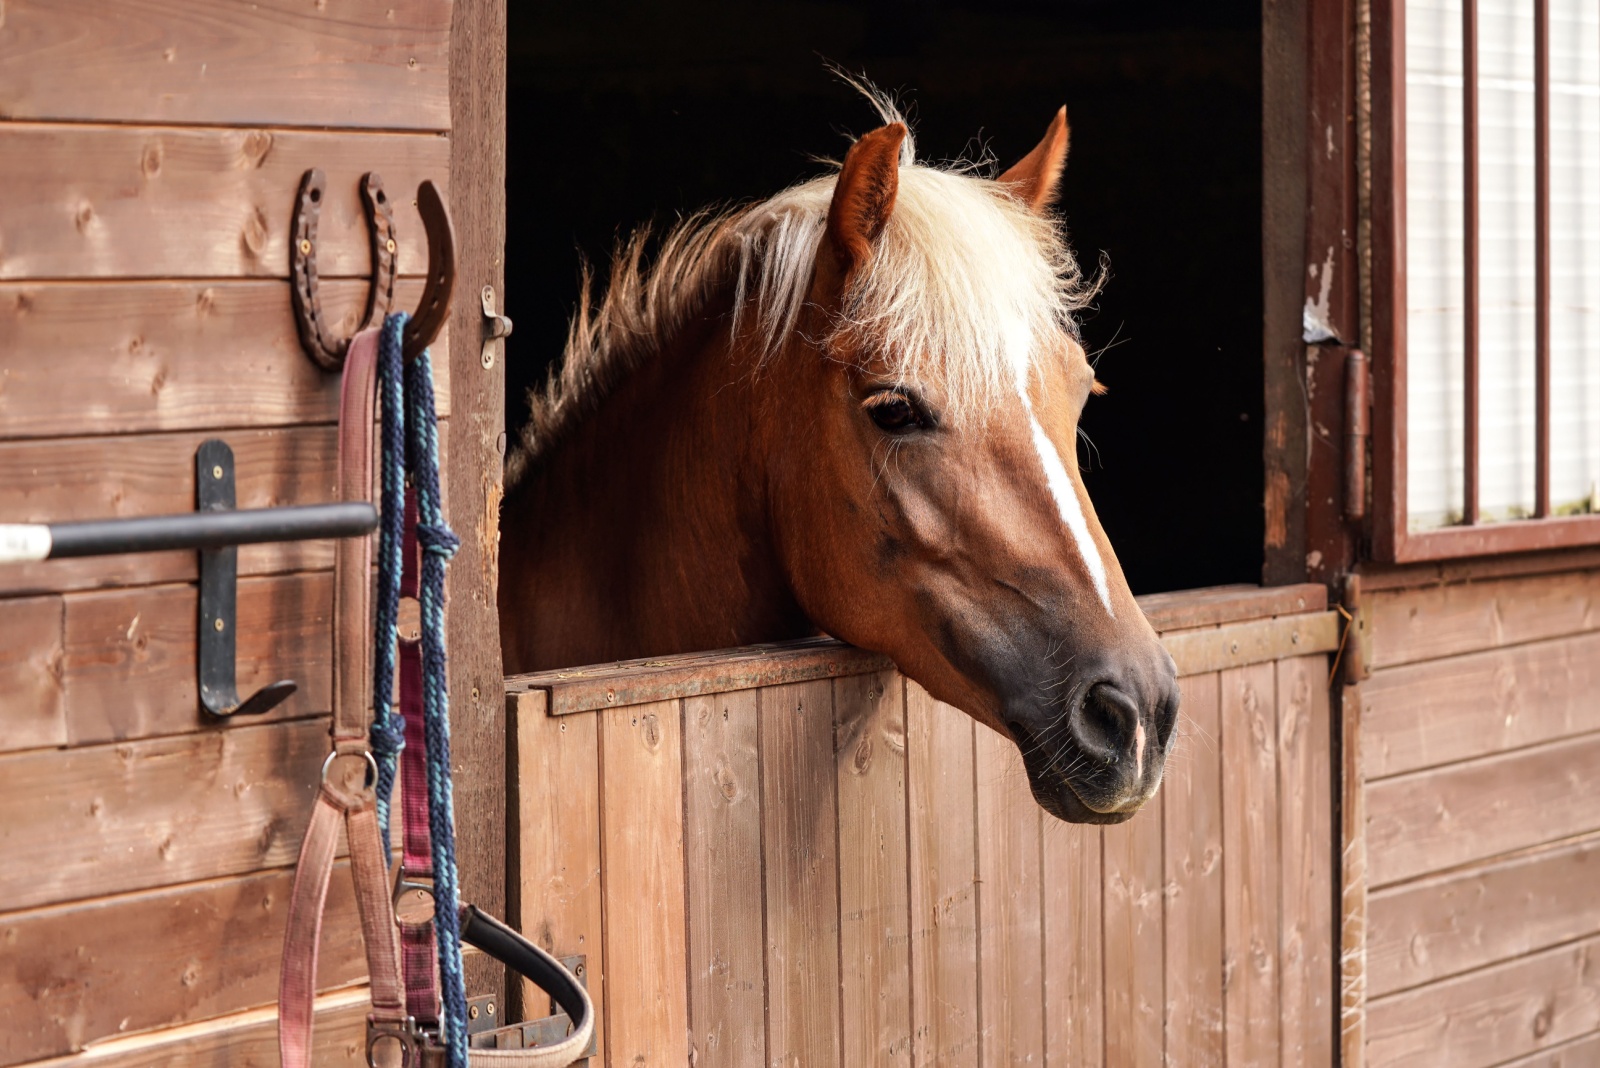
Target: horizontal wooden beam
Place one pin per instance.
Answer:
(1199, 652)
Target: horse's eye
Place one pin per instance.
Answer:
(895, 413)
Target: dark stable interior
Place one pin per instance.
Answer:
(620, 113)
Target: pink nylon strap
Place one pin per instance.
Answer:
(339, 800)
(419, 958)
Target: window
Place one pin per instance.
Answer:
(1485, 202)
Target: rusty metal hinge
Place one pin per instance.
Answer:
(1357, 432)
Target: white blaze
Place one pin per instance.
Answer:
(1055, 473)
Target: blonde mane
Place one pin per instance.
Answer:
(966, 283)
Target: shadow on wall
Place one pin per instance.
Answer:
(625, 112)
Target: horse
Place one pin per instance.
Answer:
(850, 408)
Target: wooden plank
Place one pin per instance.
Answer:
(31, 662)
(1353, 896)
(722, 839)
(1250, 854)
(1135, 963)
(152, 813)
(1200, 652)
(1433, 928)
(1580, 1053)
(1192, 858)
(472, 470)
(130, 655)
(941, 849)
(631, 682)
(1431, 820)
(641, 767)
(1492, 1015)
(555, 842)
(374, 63)
(174, 202)
(1305, 837)
(144, 356)
(874, 910)
(75, 974)
(1074, 993)
(1412, 625)
(1214, 605)
(1010, 924)
(1479, 704)
(122, 477)
(800, 830)
(339, 1037)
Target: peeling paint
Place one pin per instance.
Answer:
(1316, 325)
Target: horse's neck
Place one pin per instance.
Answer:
(645, 533)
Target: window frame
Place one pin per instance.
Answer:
(1390, 540)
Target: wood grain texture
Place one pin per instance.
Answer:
(641, 765)
(1433, 928)
(74, 974)
(369, 63)
(1430, 820)
(1200, 652)
(1412, 625)
(130, 655)
(171, 202)
(874, 909)
(1579, 1053)
(722, 851)
(1191, 806)
(800, 828)
(80, 823)
(1010, 923)
(1353, 895)
(241, 1040)
(1074, 990)
(1213, 605)
(31, 673)
(555, 841)
(941, 848)
(1306, 960)
(1135, 965)
(1250, 851)
(472, 470)
(123, 477)
(1492, 1015)
(148, 356)
(1479, 704)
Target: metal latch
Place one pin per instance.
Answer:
(495, 328)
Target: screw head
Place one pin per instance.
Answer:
(489, 1008)
(389, 244)
(217, 624)
(216, 471)
(472, 1012)
(305, 246)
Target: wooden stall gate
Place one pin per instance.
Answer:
(792, 855)
(150, 152)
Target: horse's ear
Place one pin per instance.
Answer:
(863, 199)
(1036, 177)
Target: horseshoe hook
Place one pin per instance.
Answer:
(316, 336)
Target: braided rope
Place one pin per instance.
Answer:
(388, 735)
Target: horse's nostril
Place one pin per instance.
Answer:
(1106, 722)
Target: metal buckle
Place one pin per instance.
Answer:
(406, 884)
(410, 1037)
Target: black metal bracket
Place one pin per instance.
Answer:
(219, 598)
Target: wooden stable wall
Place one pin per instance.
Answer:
(794, 856)
(150, 152)
(1472, 900)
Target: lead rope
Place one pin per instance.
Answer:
(414, 426)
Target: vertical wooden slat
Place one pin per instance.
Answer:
(1134, 953)
(1011, 992)
(1305, 799)
(1352, 885)
(555, 841)
(1469, 105)
(722, 837)
(874, 910)
(941, 851)
(1541, 237)
(474, 458)
(799, 827)
(1192, 808)
(1250, 864)
(641, 769)
(1074, 994)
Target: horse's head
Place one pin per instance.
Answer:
(926, 479)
